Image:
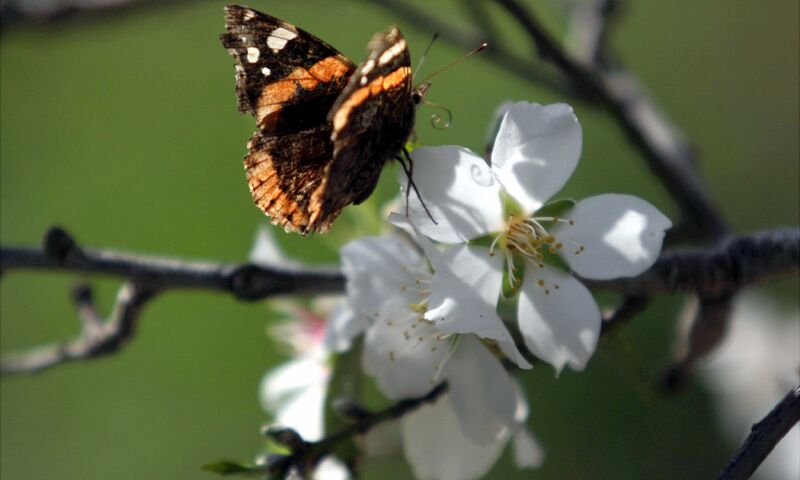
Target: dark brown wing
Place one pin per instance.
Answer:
(371, 121)
(288, 79)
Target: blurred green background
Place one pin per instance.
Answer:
(123, 129)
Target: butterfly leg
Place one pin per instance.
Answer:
(408, 168)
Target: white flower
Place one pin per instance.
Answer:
(756, 365)
(388, 280)
(294, 392)
(436, 450)
(601, 237)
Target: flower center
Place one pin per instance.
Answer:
(527, 238)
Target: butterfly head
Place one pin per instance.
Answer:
(418, 93)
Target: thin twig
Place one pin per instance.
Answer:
(763, 437)
(310, 452)
(97, 338)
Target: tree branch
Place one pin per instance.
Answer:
(738, 261)
(305, 455)
(60, 252)
(587, 30)
(763, 437)
(97, 338)
(145, 277)
(715, 272)
(670, 158)
(52, 11)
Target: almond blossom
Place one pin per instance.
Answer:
(601, 237)
(389, 281)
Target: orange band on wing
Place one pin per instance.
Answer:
(398, 77)
(375, 87)
(329, 69)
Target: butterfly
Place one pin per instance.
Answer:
(326, 127)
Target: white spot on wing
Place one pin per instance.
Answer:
(276, 43)
(368, 66)
(392, 52)
(249, 15)
(252, 54)
(283, 33)
(279, 38)
(266, 71)
(363, 81)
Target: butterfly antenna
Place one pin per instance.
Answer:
(456, 62)
(408, 168)
(437, 121)
(424, 55)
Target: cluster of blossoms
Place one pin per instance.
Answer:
(427, 294)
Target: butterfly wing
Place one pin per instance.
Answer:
(288, 80)
(371, 121)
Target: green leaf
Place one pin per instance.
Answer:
(228, 467)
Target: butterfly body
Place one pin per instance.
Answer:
(326, 127)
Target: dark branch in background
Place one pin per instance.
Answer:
(763, 437)
(670, 158)
(60, 252)
(52, 11)
(512, 62)
(588, 28)
(145, 277)
(736, 262)
(714, 276)
(709, 273)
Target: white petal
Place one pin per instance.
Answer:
(465, 289)
(331, 468)
(342, 326)
(379, 268)
(528, 453)
(481, 392)
(403, 353)
(464, 293)
(536, 151)
(304, 413)
(267, 252)
(458, 188)
(559, 319)
(402, 222)
(436, 449)
(622, 236)
(289, 379)
(295, 393)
